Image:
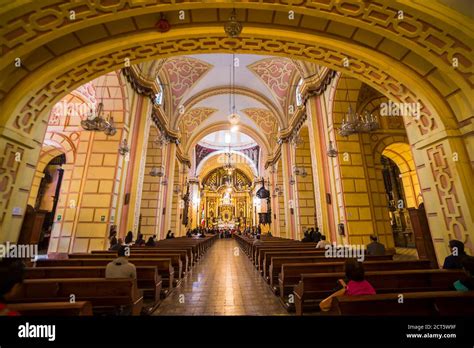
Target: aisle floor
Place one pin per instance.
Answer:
(224, 282)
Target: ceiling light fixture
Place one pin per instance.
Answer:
(233, 28)
(332, 152)
(124, 148)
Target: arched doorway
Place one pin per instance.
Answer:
(38, 224)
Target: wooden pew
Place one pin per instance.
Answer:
(290, 273)
(141, 252)
(265, 256)
(164, 267)
(148, 279)
(101, 293)
(186, 253)
(430, 303)
(175, 260)
(268, 255)
(312, 288)
(257, 249)
(53, 309)
(262, 252)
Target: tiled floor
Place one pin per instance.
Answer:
(224, 282)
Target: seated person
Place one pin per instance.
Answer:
(117, 244)
(151, 241)
(322, 243)
(168, 235)
(257, 240)
(466, 283)
(356, 284)
(12, 272)
(112, 238)
(316, 235)
(140, 241)
(307, 237)
(129, 238)
(120, 267)
(454, 261)
(375, 248)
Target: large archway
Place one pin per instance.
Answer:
(401, 76)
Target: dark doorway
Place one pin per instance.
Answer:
(38, 223)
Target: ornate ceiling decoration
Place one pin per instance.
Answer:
(264, 119)
(208, 93)
(194, 117)
(277, 73)
(182, 73)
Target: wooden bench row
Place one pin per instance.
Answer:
(302, 276)
(429, 303)
(103, 294)
(52, 284)
(290, 273)
(312, 288)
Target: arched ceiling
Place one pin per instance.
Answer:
(199, 90)
(218, 159)
(222, 139)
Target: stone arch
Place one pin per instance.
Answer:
(244, 163)
(25, 103)
(50, 150)
(385, 142)
(259, 139)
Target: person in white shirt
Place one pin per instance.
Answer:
(322, 243)
(120, 267)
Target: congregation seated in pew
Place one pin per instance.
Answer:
(375, 248)
(129, 238)
(140, 241)
(116, 244)
(454, 261)
(355, 284)
(121, 267)
(322, 243)
(151, 241)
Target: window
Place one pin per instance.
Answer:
(159, 96)
(299, 97)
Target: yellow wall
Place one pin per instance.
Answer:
(304, 185)
(151, 188)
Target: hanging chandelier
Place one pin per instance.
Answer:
(96, 121)
(157, 171)
(124, 148)
(296, 139)
(332, 152)
(161, 140)
(233, 28)
(354, 123)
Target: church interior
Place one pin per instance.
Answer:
(220, 150)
